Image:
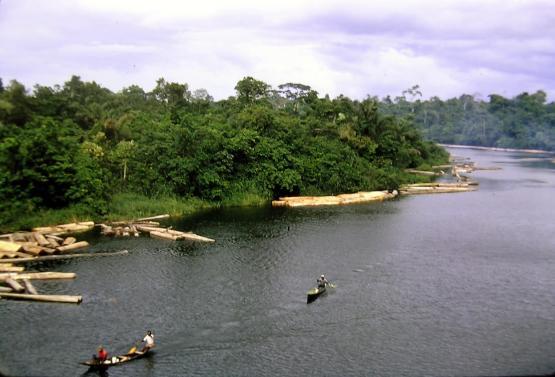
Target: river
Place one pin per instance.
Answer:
(432, 285)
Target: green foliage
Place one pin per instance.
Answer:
(87, 152)
(525, 121)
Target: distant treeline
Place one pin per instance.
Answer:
(82, 143)
(526, 121)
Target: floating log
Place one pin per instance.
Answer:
(76, 245)
(44, 298)
(154, 217)
(9, 246)
(14, 285)
(65, 228)
(164, 235)
(174, 235)
(38, 275)
(10, 268)
(29, 288)
(5, 289)
(69, 241)
(68, 256)
(196, 237)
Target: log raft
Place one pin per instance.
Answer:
(436, 188)
(359, 197)
(146, 225)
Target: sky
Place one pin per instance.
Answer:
(351, 47)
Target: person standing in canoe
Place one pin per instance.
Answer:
(322, 281)
(148, 340)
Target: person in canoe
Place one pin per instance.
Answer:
(102, 354)
(322, 281)
(148, 340)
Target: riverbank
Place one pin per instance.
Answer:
(125, 206)
(128, 206)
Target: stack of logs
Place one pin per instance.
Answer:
(28, 246)
(42, 241)
(147, 225)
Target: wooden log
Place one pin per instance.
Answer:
(15, 254)
(154, 217)
(43, 298)
(164, 235)
(7, 237)
(195, 237)
(74, 246)
(49, 250)
(33, 250)
(19, 237)
(69, 241)
(53, 243)
(27, 243)
(42, 241)
(9, 246)
(68, 256)
(7, 254)
(147, 228)
(65, 228)
(11, 268)
(29, 288)
(38, 275)
(14, 285)
(5, 289)
(54, 237)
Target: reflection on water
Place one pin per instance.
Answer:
(444, 285)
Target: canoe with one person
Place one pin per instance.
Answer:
(314, 293)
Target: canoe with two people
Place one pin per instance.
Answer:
(322, 284)
(102, 361)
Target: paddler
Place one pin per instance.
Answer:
(322, 281)
(148, 340)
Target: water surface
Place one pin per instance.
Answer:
(432, 285)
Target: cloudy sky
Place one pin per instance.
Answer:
(351, 47)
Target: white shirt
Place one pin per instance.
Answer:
(149, 339)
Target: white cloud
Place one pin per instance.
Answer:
(353, 47)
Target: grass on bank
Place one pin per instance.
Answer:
(128, 206)
(125, 206)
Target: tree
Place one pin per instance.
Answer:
(250, 90)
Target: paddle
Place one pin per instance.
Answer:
(134, 348)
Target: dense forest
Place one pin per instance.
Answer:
(80, 144)
(526, 121)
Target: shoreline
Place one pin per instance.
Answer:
(496, 149)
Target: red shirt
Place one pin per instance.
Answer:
(102, 354)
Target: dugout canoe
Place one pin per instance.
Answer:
(314, 293)
(96, 364)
